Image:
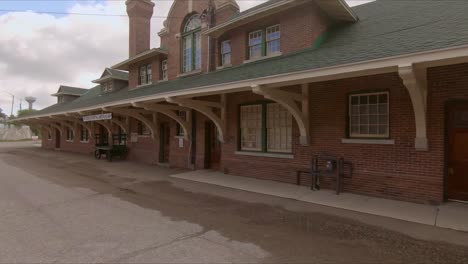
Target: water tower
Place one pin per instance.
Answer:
(30, 101)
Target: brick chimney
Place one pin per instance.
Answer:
(139, 14)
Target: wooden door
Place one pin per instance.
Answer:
(164, 143)
(457, 179)
(212, 147)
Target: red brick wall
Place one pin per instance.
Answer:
(134, 73)
(299, 27)
(391, 171)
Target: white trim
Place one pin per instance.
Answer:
(368, 141)
(264, 57)
(363, 68)
(185, 74)
(265, 154)
(223, 67)
(84, 141)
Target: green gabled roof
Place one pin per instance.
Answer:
(69, 90)
(123, 75)
(386, 28)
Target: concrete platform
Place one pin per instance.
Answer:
(448, 215)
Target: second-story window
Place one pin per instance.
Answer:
(164, 69)
(191, 44)
(226, 52)
(265, 42)
(256, 44)
(145, 75)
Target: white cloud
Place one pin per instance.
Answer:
(38, 52)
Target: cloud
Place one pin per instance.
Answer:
(39, 52)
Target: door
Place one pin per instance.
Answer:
(57, 139)
(457, 179)
(212, 147)
(164, 142)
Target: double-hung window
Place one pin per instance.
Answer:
(226, 53)
(265, 42)
(256, 44)
(191, 45)
(107, 86)
(164, 69)
(84, 134)
(265, 127)
(369, 115)
(273, 40)
(70, 135)
(145, 75)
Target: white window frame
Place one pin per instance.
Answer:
(267, 41)
(70, 135)
(264, 126)
(164, 70)
(84, 139)
(377, 105)
(225, 53)
(251, 46)
(142, 75)
(149, 74)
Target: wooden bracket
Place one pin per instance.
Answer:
(135, 113)
(206, 108)
(170, 111)
(416, 84)
(290, 100)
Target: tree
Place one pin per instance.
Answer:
(25, 112)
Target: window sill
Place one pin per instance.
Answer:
(84, 142)
(368, 141)
(264, 57)
(69, 141)
(143, 85)
(223, 67)
(189, 73)
(265, 154)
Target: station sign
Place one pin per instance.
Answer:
(107, 116)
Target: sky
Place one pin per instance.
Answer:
(41, 51)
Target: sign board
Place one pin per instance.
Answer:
(107, 116)
(134, 137)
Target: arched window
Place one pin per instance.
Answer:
(191, 44)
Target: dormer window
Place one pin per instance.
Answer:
(107, 86)
(265, 42)
(191, 45)
(146, 75)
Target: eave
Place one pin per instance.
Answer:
(124, 65)
(337, 9)
(108, 77)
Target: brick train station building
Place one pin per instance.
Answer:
(259, 93)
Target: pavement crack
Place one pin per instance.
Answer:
(147, 249)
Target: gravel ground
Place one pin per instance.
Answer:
(267, 231)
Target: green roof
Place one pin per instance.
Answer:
(123, 75)
(69, 90)
(386, 28)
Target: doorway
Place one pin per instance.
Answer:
(457, 150)
(212, 147)
(57, 139)
(164, 142)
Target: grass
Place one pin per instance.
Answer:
(19, 140)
